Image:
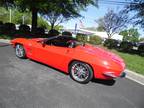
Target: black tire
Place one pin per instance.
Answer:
(20, 51)
(75, 74)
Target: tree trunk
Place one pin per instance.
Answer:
(52, 26)
(34, 19)
(109, 35)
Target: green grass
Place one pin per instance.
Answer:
(133, 62)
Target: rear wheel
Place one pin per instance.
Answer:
(19, 51)
(80, 72)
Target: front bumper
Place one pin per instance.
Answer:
(112, 75)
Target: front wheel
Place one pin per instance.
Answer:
(81, 72)
(20, 52)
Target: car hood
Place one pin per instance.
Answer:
(100, 52)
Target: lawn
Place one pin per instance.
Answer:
(133, 62)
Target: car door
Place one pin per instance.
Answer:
(55, 53)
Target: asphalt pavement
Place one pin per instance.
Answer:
(28, 84)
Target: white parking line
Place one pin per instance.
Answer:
(128, 77)
(135, 76)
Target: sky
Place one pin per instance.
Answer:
(94, 13)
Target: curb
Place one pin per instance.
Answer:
(135, 76)
(129, 74)
(5, 41)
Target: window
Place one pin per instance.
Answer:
(60, 41)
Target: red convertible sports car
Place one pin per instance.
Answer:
(82, 61)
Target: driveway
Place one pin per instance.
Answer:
(28, 84)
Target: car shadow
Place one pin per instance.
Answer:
(49, 67)
(104, 82)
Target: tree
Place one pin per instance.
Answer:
(68, 8)
(113, 22)
(131, 35)
(142, 39)
(6, 3)
(100, 25)
(54, 19)
(137, 6)
(44, 24)
(100, 28)
(65, 10)
(21, 17)
(4, 15)
(17, 16)
(31, 5)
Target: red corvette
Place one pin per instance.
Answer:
(82, 61)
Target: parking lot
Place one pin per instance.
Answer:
(28, 84)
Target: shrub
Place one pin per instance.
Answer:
(24, 28)
(9, 28)
(24, 35)
(141, 39)
(40, 31)
(81, 37)
(1, 23)
(95, 40)
(111, 43)
(126, 46)
(66, 33)
(53, 32)
(1, 26)
(141, 49)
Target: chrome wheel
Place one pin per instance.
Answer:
(81, 72)
(20, 51)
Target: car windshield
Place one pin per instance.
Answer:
(63, 41)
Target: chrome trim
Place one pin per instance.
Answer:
(110, 74)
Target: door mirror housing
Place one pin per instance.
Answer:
(72, 44)
(43, 43)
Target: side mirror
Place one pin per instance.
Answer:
(72, 44)
(43, 43)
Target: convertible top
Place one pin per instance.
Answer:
(61, 36)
